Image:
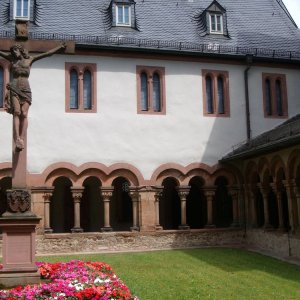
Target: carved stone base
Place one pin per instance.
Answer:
(158, 227)
(210, 226)
(106, 229)
(18, 202)
(18, 250)
(76, 230)
(235, 224)
(48, 230)
(13, 279)
(134, 228)
(184, 227)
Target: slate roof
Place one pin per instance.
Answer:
(257, 24)
(285, 135)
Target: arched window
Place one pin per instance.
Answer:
(156, 92)
(278, 97)
(81, 89)
(73, 89)
(150, 90)
(209, 95)
(275, 95)
(221, 96)
(268, 97)
(87, 90)
(1, 87)
(144, 92)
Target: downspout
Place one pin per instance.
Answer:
(249, 59)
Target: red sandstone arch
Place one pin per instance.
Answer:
(262, 165)
(251, 172)
(5, 170)
(78, 174)
(276, 164)
(293, 164)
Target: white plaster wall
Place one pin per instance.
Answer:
(116, 133)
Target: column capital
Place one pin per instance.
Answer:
(47, 197)
(209, 191)
(106, 192)
(233, 190)
(264, 189)
(289, 183)
(134, 193)
(183, 190)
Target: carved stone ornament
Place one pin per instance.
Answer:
(18, 201)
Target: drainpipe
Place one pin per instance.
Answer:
(249, 59)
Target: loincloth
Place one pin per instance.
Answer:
(21, 94)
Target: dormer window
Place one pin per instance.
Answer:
(216, 23)
(21, 9)
(123, 15)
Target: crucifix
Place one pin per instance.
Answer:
(19, 223)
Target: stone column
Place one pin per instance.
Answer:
(252, 204)
(234, 193)
(278, 194)
(209, 193)
(183, 191)
(265, 193)
(289, 187)
(47, 199)
(106, 193)
(77, 196)
(157, 196)
(134, 194)
(297, 194)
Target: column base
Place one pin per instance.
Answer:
(268, 226)
(158, 227)
(184, 227)
(48, 230)
(235, 224)
(134, 228)
(76, 230)
(210, 226)
(106, 229)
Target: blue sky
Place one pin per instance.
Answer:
(294, 8)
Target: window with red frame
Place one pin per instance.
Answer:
(274, 95)
(151, 90)
(81, 90)
(215, 93)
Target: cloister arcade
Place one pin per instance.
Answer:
(272, 189)
(86, 199)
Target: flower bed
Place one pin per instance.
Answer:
(73, 280)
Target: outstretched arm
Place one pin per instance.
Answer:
(48, 53)
(5, 55)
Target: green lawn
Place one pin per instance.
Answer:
(215, 273)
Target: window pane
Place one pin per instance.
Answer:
(1, 86)
(120, 13)
(219, 24)
(87, 90)
(278, 98)
(268, 97)
(221, 109)
(126, 14)
(156, 92)
(209, 100)
(144, 92)
(73, 90)
(19, 8)
(25, 8)
(213, 23)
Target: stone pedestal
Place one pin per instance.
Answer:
(18, 233)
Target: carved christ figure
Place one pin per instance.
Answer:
(18, 97)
